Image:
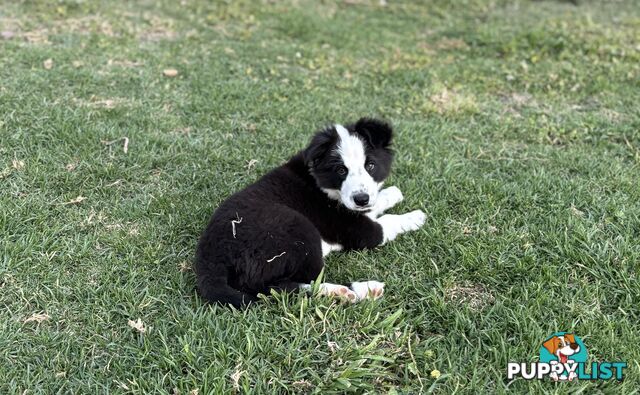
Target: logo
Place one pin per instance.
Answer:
(563, 357)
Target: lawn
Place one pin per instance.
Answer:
(518, 133)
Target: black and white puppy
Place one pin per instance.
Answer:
(274, 233)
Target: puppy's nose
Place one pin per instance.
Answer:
(361, 199)
(574, 346)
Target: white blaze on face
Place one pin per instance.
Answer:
(351, 150)
(566, 347)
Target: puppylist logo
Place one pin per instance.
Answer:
(563, 357)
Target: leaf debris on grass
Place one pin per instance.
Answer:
(37, 317)
(138, 325)
(113, 184)
(333, 346)
(125, 143)
(17, 164)
(185, 266)
(251, 163)
(170, 72)
(302, 384)
(76, 200)
(235, 377)
(575, 211)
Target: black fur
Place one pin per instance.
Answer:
(286, 211)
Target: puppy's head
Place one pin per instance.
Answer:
(566, 344)
(349, 163)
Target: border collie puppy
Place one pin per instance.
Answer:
(274, 233)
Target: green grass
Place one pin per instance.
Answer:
(517, 132)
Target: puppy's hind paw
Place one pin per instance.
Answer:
(337, 291)
(368, 289)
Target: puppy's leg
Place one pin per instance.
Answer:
(333, 290)
(387, 198)
(393, 225)
(327, 248)
(357, 292)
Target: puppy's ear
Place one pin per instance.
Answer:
(551, 345)
(318, 147)
(378, 133)
(570, 337)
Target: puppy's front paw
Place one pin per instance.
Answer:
(413, 220)
(368, 289)
(392, 196)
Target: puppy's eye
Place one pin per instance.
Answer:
(341, 171)
(370, 166)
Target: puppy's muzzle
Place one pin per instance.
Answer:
(361, 199)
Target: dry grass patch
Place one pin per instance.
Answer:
(450, 101)
(106, 103)
(474, 295)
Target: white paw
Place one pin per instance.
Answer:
(337, 291)
(392, 195)
(368, 289)
(393, 225)
(328, 248)
(413, 220)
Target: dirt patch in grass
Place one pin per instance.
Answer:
(152, 28)
(35, 33)
(450, 101)
(451, 44)
(513, 103)
(157, 29)
(474, 295)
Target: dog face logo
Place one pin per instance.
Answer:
(562, 346)
(566, 349)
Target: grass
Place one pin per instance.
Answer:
(518, 133)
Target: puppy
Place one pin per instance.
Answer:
(274, 233)
(562, 347)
